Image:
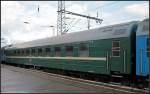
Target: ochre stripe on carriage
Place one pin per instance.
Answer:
(68, 58)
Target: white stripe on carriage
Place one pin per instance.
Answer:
(68, 58)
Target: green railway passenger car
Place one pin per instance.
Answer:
(105, 50)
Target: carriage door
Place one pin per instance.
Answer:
(148, 49)
(116, 57)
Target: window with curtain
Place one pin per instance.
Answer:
(116, 48)
(83, 50)
(57, 51)
(69, 50)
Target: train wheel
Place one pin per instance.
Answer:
(140, 84)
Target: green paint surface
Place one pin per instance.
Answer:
(97, 48)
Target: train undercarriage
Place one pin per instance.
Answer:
(124, 80)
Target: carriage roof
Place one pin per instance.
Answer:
(143, 28)
(106, 32)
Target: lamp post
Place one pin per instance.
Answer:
(53, 29)
(25, 22)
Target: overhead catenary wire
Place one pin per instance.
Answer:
(95, 9)
(105, 5)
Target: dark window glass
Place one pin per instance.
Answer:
(83, 50)
(18, 52)
(39, 51)
(69, 50)
(47, 51)
(15, 52)
(27, 52)
(7, 53)
(116, 44)
(22, 52)
(116, 48)
(57, 51)
(33, 51)
(12, 53)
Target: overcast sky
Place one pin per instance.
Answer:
(14, 13)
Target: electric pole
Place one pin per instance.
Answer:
(61, 25)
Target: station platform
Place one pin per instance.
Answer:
(21, 80)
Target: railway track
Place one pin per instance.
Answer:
(111, 85)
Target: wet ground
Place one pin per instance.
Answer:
(15, 79)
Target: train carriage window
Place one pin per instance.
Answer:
(83, 50)
(18, 52)
(57, 51)
(10, 53)
(39, 51)
(33, 51)
(22, 52)
(27, 52)
(116, 48)
(36, 51)
(69, 50)
(7, 53)
(15, 52)
(47, 50)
